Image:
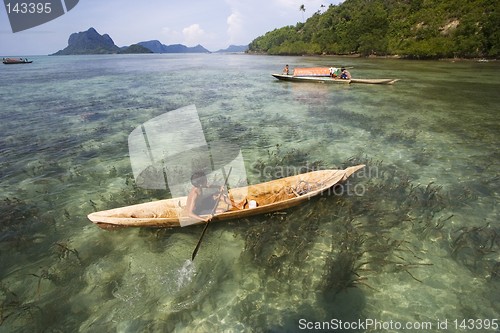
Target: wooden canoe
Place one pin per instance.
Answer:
(12, 61)
(327, 79)
(271, 196)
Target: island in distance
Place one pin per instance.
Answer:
(91, 42)
(157, 47)
(234, 49)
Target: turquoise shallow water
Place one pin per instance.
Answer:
(412, 239)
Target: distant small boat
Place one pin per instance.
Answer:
(328, 79)
(323, 75)
(269, 197)
(15, 61)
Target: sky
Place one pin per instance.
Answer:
(215, 24)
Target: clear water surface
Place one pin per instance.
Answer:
(413, 240)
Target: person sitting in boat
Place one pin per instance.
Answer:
(345, 75)
(286, 70)
(202, 199)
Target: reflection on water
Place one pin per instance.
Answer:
(416, 241)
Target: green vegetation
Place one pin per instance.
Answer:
(408, 28)
(135, 48)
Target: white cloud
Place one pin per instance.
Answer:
(234, 26)
(194, 34)
(287, 3)
(171, 36)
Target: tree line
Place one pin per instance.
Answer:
(409, 28)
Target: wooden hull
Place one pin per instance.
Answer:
(271, 196)
(15, 62)
(327, 79)
(375, 81)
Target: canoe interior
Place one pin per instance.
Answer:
(270, 196)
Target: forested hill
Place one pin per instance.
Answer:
(408, 28)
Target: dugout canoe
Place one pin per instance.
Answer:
(270, 196)
(14, 61)
(327, 79)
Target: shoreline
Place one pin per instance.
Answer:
(393, 56)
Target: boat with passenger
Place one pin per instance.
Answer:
(15, 61)
(327, 75)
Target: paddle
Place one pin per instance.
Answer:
(213, 212)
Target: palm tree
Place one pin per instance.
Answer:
(303, 10)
